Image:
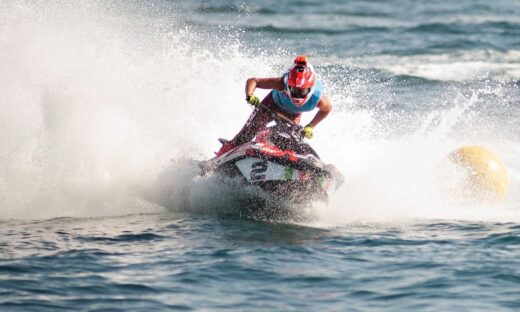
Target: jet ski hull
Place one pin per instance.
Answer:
(292, 177)
(279, 162)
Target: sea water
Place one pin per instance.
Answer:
(104, 105)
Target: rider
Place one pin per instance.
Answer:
(295, 92)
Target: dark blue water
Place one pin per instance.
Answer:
(347, 28)
(192, 262)
(100, 99)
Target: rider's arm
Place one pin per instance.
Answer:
(264, 83)
(324, 109)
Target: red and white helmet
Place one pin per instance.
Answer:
(300, 81)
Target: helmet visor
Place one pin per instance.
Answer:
(299, 92)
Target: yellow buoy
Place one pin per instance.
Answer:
(484, 173)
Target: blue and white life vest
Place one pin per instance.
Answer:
(282, 100)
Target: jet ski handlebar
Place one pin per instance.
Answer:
(279, 117)
(283, 122)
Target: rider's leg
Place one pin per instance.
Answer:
(256, 122)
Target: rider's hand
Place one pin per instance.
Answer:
(253, 100)
(307, 132)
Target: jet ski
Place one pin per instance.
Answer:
(279, 162)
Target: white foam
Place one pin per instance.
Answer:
(96, 99)
(394, 178)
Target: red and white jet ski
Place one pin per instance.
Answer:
(279, 162)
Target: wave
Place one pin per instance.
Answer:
(234, 9)
(458, 28)
(458, 65)
(313, 31)
(263, 10)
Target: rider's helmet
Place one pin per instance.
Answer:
(300, 81)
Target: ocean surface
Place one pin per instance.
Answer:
(103, 105)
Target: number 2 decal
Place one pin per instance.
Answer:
(258, 170)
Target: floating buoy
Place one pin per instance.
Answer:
(484, 175)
